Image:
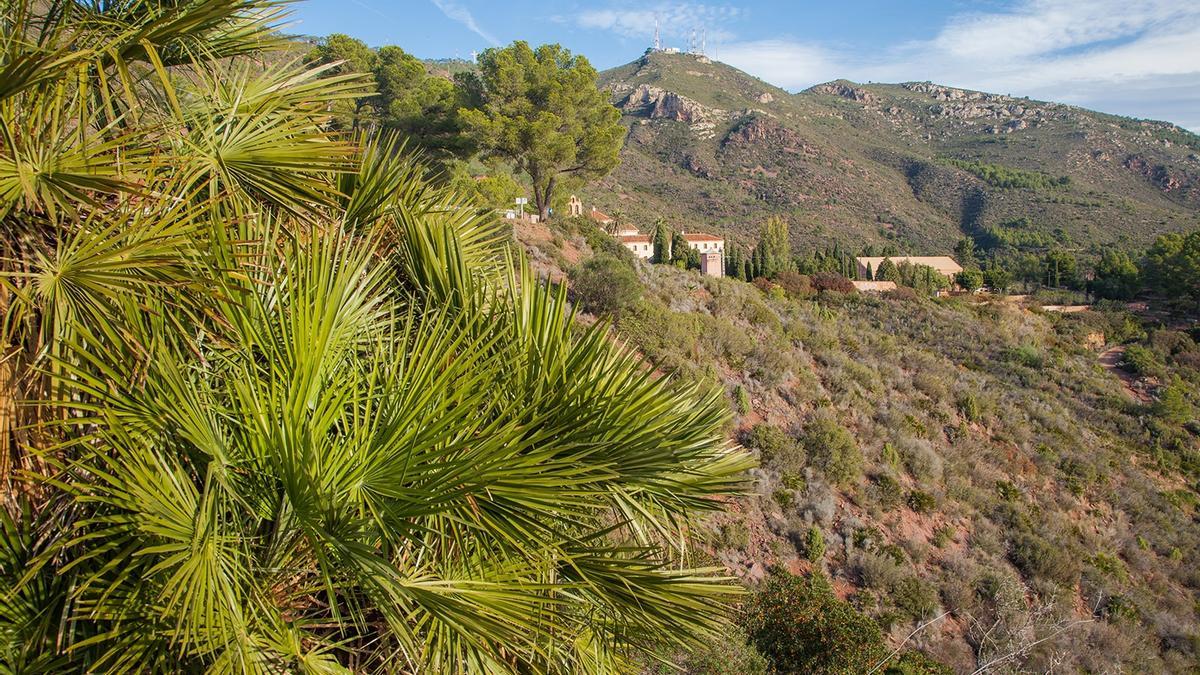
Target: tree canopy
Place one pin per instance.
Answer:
(542, 111)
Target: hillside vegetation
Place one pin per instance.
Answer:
(937, 458)
(916, 164)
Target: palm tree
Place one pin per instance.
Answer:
(272, 402)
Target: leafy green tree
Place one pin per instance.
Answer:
(605, 284)
(802, 627)
(543, 112)
(970, 280)
(773, 253)
(997, 278)
(1059, 269)
(1172, 268)
(285, 406)
(1115, 276)
(422, 108)
(346, 56)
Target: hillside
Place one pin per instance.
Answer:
(981, 463)
(916, 164)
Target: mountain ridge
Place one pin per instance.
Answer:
(915, 164)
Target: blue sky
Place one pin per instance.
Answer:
(1132, 57)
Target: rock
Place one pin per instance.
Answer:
(845, 91)
(757, 129)
(658, 103)
(765, 97)
(1157, 174)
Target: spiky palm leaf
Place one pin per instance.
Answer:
(300, 410)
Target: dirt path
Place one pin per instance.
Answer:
(1110, 360)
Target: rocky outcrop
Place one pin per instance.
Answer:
(759, 130)
(657, 103)
(1155, 173)
(845, 90)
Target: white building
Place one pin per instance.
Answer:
(641, 245)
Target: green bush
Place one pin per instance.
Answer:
(605, 285)
(886, 491)
(921, 502)
(833, 450)
(814, 544)
(1037, 558)
(776, 448)
(801, 627)
(917, 663)
(915, 598)
(1142, 361)
(742, 400)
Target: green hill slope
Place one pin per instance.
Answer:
(916, 164)
(982, 463)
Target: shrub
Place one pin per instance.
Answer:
(921, 502)
(831, 281)
(833, 450)
(921, 460)
(605, 285)
(796, 285)
(944, 534)
(1172, 404)
(886, 491)
(917, 663)
(969, 406)
(1028, 356)
(775, 447)
(1037, 558)
(784, 498)
(814, 544)
(801, 627)
(914, 597)
(741, 399)
(1141, 361)
(764, 284)
(734, 535)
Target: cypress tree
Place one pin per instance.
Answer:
(662, 243)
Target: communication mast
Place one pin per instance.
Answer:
(657, 37)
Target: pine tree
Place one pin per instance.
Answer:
(887, 271)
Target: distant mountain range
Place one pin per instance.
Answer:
(916, 164)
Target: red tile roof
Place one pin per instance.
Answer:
(635, 239)
(600, 216)
(697, 236)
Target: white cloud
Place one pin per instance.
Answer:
(676, 20)
(456, 12)
(1136, 57)
(785, 63)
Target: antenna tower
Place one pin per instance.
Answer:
(692, 43)
(704, 42)
(657, 38)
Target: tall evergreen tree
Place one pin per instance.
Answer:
(887, 271)
(662, 242)
(679, 249)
